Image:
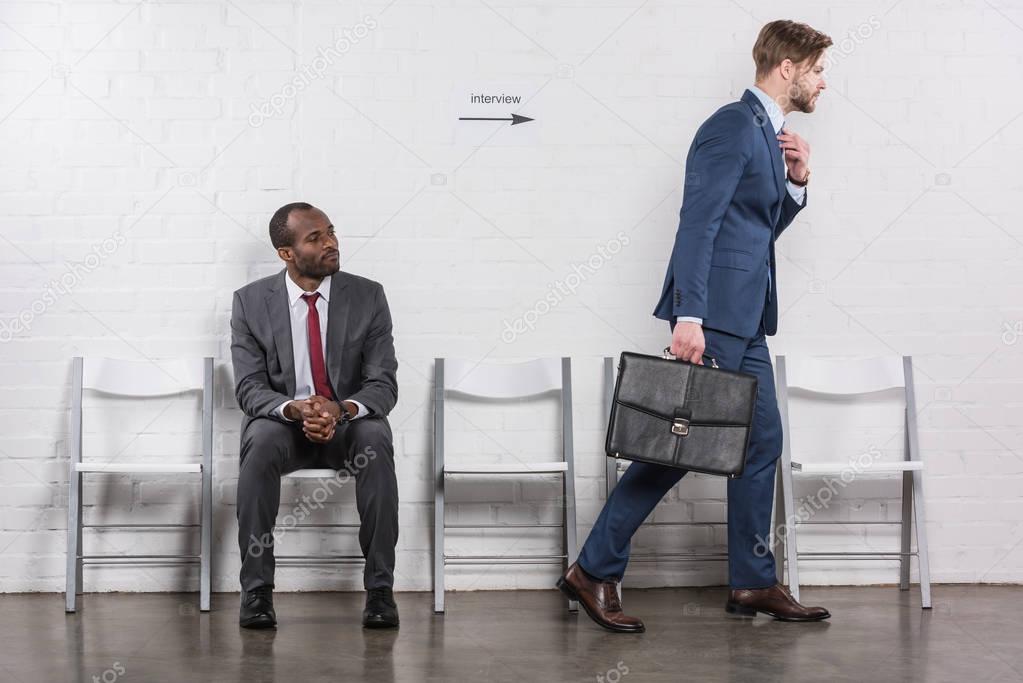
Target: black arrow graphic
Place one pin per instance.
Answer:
(515, 119)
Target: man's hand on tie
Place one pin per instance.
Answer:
(797, 155)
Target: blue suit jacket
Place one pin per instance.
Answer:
(734, 205)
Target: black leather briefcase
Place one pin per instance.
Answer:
(679, 414)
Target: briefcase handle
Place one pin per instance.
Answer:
(667, 355)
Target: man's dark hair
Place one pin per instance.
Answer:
(280, 236)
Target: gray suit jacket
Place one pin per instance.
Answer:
(361, 365)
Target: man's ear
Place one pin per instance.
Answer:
(787, 69)
(284, 254)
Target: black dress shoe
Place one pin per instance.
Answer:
(381, 610)
(257, 609)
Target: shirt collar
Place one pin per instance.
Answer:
(771, 107)
(295, 292)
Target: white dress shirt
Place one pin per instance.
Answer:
(300, 340)
(795, 191)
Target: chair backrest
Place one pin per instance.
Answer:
(844, 376)
(141, 377)
(502, 380)
(848, 377)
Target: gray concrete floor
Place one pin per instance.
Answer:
(876, 634)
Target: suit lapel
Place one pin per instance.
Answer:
(337, 322)
(280, 322)
(763, 121)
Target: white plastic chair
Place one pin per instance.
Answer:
(139, 378)
(837, 377)
(502, 382)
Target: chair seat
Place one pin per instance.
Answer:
(130, 467)
(840, 468)
(508, 468)
(312, 474)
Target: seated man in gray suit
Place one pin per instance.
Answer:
(315, 375)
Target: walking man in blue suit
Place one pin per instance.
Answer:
(745, 181)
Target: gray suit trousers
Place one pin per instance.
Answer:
(362, 450)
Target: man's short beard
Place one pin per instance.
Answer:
(317, 269)
(802, 100)
(799, 99)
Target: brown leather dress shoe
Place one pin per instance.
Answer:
(775, 601)
(599, 599)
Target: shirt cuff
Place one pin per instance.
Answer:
(796, 192)
(689, 319)
(362, 410)
(279, 411)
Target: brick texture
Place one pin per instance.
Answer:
(145, 146)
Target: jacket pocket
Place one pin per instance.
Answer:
(732, 258)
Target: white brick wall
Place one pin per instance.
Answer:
(141, 123)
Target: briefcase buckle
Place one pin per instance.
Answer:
(680, 426)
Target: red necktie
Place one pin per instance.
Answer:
(320, 382)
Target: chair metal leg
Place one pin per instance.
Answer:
(921, 539)
(789, 524)
(205, 542)
(610, 464)
(438, 487)
(913, 453)
(74, 540)
(73, 564)
(610, 475)
(785, 464)
(906, 528)
(568, 453)
(206, 504)
(80, 563)
(777, 546)
(571, 547)
(438, 546)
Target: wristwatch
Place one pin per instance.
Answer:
(799, 183)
